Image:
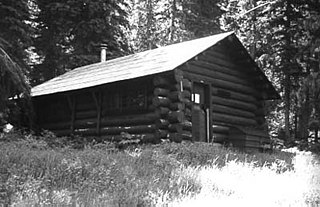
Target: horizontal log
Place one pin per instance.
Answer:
(85, 106)
(176, 116)
(233, 95)
(188, 103)
(161, 101)
(216, 83)
(127, 110)
(177, 106)
(235, 87)
(138, 129)
(220, 129)
(62, 132)
(84, 98)
(144, 138)
(161, 133)
(229, 119)
(188, 112)
(162, 82)
(186, 135)
(178, 75)
(260, 112)
(161, 92)
(221, 68)
(56, 125)
(180, 127)
(130, 120)
(177, 96)
(187, 84)
(260, 120)
(204, 69)
(86, 132)
(54, 115)
(217, 137)
(234, 103)
(178, 137)
(162, 123)
(222, 59)
(175, 128)
(86, 114)
(162, 111)
(232, 111)
(174, 137)
(84, 123)
(219, 53)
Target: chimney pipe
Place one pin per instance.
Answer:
(103, 52)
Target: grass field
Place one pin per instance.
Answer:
(46, 173)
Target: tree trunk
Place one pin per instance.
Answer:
(287, 108)
(149, 24)
(173, 17)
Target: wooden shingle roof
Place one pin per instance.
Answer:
(138, 65)
(132, 66)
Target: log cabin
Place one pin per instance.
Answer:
(207, 90)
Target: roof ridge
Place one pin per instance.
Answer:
(131, 66)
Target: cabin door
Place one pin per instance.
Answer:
(200, 112)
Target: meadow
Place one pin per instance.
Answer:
(46, 171)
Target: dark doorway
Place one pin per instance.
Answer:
(200, 112)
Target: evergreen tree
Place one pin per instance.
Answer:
(70, 34)
(16, 30)
(161, 22)
(282, 36)
(15, 39)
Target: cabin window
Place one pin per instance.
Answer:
(196, 98)
(127, 99)
(135, 99)
(198, 94)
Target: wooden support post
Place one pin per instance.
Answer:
(72, 106)
(97, 100)
(209, 111)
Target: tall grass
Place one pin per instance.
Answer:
(242, 184)
(38, 173)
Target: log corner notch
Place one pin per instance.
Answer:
(172, 97)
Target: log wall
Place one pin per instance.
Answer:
(172, 96)
(235, 100)
(167, 112)
(99, 112)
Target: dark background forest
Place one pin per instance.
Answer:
(41, 39)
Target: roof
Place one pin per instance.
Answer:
(132, 66)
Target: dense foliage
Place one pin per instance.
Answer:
(44, 170)
(48, 38)
(15, 39)
(283, 37)
(69, 34)
(16, 30)
(157, 23)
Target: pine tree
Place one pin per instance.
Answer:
(15, 39)
(161, 22)
(282, 37)
(16, 31)
(70, 34)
